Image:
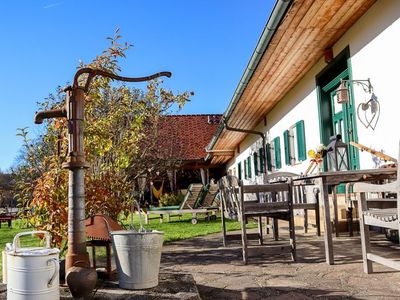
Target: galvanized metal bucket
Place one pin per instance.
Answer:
(137, 255)
(32, 273)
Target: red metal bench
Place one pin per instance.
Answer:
(7, 215)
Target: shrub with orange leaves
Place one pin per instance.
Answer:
(120, 145)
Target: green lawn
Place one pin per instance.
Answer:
(183, 229)
(7, 236)
(174, 230)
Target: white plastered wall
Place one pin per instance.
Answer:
(374, 43)
(299, 104)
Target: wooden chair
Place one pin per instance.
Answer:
(304, 198)
(379, 217)
(230, 208)
(229, 205)
(269, 200)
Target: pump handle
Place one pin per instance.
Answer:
(96, 72)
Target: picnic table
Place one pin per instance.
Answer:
(324, 180)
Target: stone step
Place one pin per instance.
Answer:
(171, 286)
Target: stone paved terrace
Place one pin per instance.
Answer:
(219, 273)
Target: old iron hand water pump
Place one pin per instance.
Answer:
(74, 112)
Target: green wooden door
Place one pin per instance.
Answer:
(342, 117)
(338, 114)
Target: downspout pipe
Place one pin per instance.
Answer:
(277, 14)
(264, 142)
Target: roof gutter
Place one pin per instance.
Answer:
(274, 20)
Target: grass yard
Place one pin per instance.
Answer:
(7, 236)
(183, 229)
(174, 230)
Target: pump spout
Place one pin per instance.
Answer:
(48, 114)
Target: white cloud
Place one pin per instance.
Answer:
(53, 5)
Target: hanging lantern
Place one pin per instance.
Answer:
(337, 156)
(342, 93)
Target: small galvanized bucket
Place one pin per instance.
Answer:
(137, 255)
(32, 273)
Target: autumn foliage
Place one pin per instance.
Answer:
(121, 128)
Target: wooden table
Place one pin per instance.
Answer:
(326, 179)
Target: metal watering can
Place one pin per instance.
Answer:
(32, 272)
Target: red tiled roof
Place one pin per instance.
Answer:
(185, 137)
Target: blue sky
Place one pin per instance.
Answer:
(206, 44)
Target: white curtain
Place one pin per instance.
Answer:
(171, 176)
(142, 183)
(203, 176)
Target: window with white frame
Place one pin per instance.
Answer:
(277, 152)
(295, 144)
(256, 163)
(273, 152)
(249, 173)
(246, 175)
(270, 153)
(261, 160)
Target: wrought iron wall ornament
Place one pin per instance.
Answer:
(367, 112)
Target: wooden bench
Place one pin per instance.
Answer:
(386, 217)
(7, 215)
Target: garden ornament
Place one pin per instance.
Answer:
(368, 112)
(76, 164)
(378, 154)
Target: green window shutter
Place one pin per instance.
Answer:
(301, 140)
(255, 160)
(240, 171)
(277, 148)
(249, 166)
(287, 147)
(269, 162)
(245, 168)
(261, 154)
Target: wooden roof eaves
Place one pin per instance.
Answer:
(305, 42)
(348, 11)
(277, 15)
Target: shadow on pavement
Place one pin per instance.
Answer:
(207, 292)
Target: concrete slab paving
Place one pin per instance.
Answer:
(220, 274)
(171, 286)
(200, 268)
